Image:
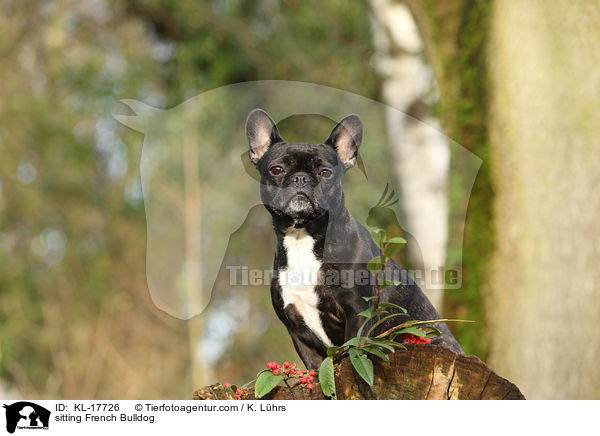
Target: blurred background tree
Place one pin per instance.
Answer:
(75, 315)
(519, 85)
(76, 319)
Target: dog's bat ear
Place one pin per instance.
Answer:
(261, 133)
(346, 138)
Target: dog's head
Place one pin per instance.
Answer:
(302, 181)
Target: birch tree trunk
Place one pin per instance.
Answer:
(544, 307)
(420, 150)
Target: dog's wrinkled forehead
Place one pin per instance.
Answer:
(301, 156)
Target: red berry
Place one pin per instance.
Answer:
(293, 372)
(309, 386)
(286, 364)
(275, 372)
(293, 365)
(303, 380)
(227, 384)
(311, 378)
(286, 371)
(239, 391)
(277, 366)
(312, 372)
(238, 397)
(428, 341)
(300, 373)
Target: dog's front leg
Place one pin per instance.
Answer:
(310, 356)
(353, 323)
(355, 304)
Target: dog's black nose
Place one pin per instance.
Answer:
(301, 179)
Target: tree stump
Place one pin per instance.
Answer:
(421, 372)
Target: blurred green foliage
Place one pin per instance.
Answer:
(76, 319)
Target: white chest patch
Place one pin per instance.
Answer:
(298, 280)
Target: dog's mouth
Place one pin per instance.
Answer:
(300, 204)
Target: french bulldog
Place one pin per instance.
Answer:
(320, 274)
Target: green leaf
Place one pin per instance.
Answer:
(382, 320)
(366, 313)
(248, 384)
(390, 282)
(431, 332)
(379, 235)
(332, 351)
(372, 314)
(362, 365)
(327, 378)
(393, 344)
(362, 326)
(376, 264)
(407, 324)
(265, 383)
(394, 245)
(384, 343)
(377, 352)
(393, 306)
(352, 342)
(430, 321)
(369, 298)
(380, 312)
(413, 331)
(397, 240)
(393, 335)
(392, 250)
(399, 346)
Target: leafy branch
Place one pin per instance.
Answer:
(361, 346)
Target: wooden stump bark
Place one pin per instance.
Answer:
(421, 372)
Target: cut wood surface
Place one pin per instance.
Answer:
(421, 372)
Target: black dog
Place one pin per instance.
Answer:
(320, 273)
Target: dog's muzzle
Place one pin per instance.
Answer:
(300, 204)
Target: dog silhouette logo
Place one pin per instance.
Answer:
(26, 415)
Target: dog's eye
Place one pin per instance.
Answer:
(277, 169)
(325, 173)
